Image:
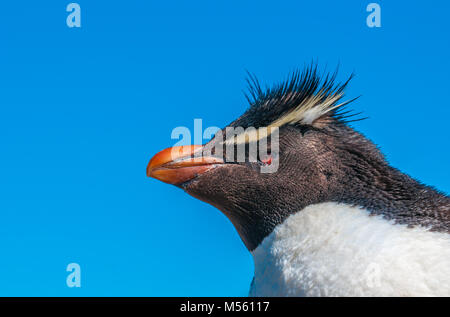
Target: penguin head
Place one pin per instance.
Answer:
(293, 147)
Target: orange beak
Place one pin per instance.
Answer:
(178, 164)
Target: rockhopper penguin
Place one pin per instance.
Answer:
(334, 218)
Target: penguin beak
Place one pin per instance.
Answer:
(179, 164)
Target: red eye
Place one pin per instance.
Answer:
(267, 160)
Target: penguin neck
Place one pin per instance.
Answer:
(379, 188)
(385, 191)
(332, 249)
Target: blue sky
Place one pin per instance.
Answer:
(82, 110)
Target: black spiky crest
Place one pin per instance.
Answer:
(302, 89)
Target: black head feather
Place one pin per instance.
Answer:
(299, 90)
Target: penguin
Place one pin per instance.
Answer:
(333, 217)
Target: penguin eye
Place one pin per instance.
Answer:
(266, 159)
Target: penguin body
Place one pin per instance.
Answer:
(332, 249)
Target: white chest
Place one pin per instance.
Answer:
(333, 249)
